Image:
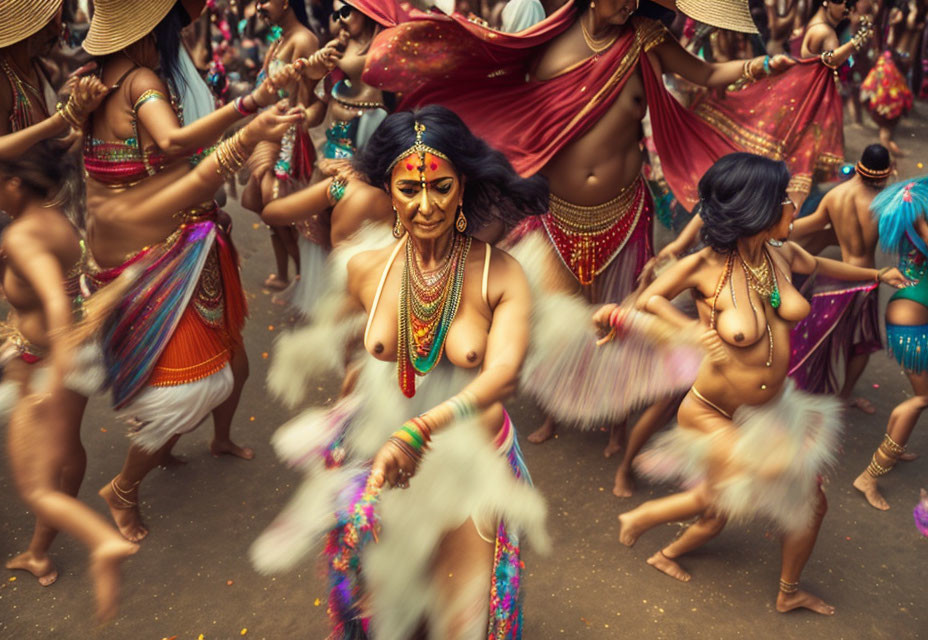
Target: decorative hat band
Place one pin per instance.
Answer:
(419, 148)
(872, 174)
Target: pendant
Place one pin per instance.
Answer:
(775, 298)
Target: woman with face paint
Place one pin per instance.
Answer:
(444, 323)
(747, 443)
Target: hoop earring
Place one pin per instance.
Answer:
(398, 229)
(461, 222)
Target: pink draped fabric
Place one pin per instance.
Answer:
(386, 13)
(484, 76)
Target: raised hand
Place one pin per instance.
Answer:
(273, 123)
(87, 95)
(393, 466)
(276, 84)
(319, 64)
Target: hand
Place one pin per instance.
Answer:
(319, 64)
(87, 95)
(68, 87)
(714, 346)
(601, 320)
(392, 466)
(268, 92)
(778, 64)
(894, 278)
(272, 124)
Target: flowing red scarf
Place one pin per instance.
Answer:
(483, 75)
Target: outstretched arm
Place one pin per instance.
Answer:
(675, 59)
(801, 261)
(148, 201)
(816, 221)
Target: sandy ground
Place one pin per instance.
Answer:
(192, 575)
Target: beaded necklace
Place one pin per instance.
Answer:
(21, 114)
(427, 307)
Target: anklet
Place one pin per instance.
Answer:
(122, 493)
(789, 588)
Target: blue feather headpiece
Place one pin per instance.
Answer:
(897, 208)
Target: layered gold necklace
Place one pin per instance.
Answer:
(600, 45)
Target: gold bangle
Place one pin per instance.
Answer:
(788, 588)
(879, 276)
(67, 116)
(826, 59)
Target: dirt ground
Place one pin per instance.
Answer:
(192, 578)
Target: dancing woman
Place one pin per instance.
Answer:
(747, 442)
(902, 210)
(446, 564)
(40, 266)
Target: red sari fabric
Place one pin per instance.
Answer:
(483, 75)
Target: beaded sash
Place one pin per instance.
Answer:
(589, 238)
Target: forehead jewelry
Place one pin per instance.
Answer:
(419, 148)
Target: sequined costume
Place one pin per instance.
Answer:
(885, 91)
(173, 334)
(386, 590)
(27, 98)
(898, 208)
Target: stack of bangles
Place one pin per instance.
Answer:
(67, 114)
(239, 104)
(412, 438)
(337, 190)
(747, 75)
(230, 155)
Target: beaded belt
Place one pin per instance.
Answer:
(28, 352)
(589, 238)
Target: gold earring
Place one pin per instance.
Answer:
(461, 223)
(398, 229)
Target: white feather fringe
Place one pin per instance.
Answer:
(322, 347)
(9, 396)
(306, 292)
(782, 448)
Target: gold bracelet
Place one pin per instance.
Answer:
(882, 272)
(788, 588)
(67, 116)
(826, 59)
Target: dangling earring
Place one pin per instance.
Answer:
(461, 223)
(592, 5)
(286, 5)
(398, 228)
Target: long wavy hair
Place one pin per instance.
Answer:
(494, 191)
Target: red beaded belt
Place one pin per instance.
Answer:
(589, 238)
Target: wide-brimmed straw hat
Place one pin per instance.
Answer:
(19, 19)
(725, 14)
(118, 23)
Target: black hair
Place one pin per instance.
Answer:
(493, 191)
(646, 9)
(42, 170)
(740, 196)
(876, 158)
(167, 40)
(299, 8)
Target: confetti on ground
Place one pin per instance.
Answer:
(317, 602)
(102, 430)
(251, 419)
(256, 225)
(264, 355)
(201, 637)
(12, 578)
(229, 583)
(270, 327)
(848, 538)
(876, 385)
(244, 631)
(920, 165)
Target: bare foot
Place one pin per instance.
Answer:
(227, 447)
(628, 533)
(866, 484)
(104, 570)
(863, 404)
(612, 448)
(667, 565)
(545, 432)
(908, 456)
(41, 567)
(895, 150)
(125, 513)
(276, 283)
(803, 600)
(169, 460)
(624, 484)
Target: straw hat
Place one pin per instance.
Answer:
(118, 23)
(725, 14)
(19, 19)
